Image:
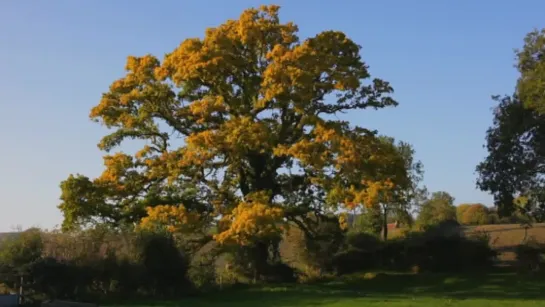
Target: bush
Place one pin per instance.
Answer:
(203, 272)
(19, 252)
(56, 279)
(363, 241)
(310, 252)
(444, 229)
(165, 265)
(530, 256)
(493, 218)
(96, 264)
(259, 262)
(353, 260)
(443, 248)
(360, 253)
(326, 240)
(439, 248)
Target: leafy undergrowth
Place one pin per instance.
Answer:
(386, 289)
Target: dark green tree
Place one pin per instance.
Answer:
(515, 164)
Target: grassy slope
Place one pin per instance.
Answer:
(393, 290)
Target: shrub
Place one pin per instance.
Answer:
(530, 256)
(19, 252)
(444, 229)
(259, 262)
(97, 263)
(360, 253)
(363, 241)
(310, 251)
(202, 271)
(57, 279)
(444, 248)
(353, 260)
(165, 265)
(438, 248)
(326, 239)
(493, 218)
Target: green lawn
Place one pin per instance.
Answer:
(396, 290)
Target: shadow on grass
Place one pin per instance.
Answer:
(497, 285)
(500, 285)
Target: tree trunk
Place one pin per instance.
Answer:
(385, 224)
(261, 253)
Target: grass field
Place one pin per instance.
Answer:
(395, 290)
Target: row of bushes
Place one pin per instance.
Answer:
(95, 264)
(437, 248)
(530, 256)
(107, 264)
(420, 251)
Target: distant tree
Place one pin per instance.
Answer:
(437, 209)
(460, 210)
(394, 201)
(493, 217)
(515, 165)
(475, 214)
(369, 221)
(18, 253)
(412, 193)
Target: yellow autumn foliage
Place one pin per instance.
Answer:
(229, 112)
(343, 221)
(250, 222)
(175, 219)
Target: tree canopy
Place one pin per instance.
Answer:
(438, 208)
(472, 214)
(516, 141)
(240, 126)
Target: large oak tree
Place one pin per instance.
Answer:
(239, 125)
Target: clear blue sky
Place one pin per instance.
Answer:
(444, 59)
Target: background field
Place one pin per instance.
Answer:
(504, 238)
